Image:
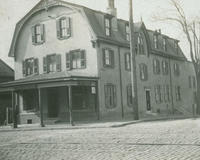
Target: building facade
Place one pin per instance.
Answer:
(72, 59)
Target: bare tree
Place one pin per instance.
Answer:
(188, 26)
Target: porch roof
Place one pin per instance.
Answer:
(48, 78)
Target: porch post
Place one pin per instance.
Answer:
(14, 113)
(70, 105)
(97, 101)
(41, 108)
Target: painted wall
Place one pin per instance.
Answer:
(81, 39)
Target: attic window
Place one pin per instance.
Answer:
(127, 30)
(108, 26)
(155, 40)
(64, 28)
(176, 46)
(37, 34)
(164, 44)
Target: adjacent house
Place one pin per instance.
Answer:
(67, 55)
(6, 75)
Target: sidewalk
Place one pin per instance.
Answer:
(89, 125)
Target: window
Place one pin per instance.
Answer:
(156, 66)
(110, 96)
(108, 26)
(30, 66)
(127, 30)
(176, 69)
(63, 28)
(52, 63)
(178, 93)
(76, 59)
(158, 97)
(165, 67)
(176, 46)
(164, 44)
(166, 93)
(155, 41)
(190, 81)
(143, 72)
(108, 58)
(38, 34)
(194, 82)
(127, 61)
(129, 95)
(140, 44)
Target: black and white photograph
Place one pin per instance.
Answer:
(99, 80)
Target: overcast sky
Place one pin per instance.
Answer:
(11, 11)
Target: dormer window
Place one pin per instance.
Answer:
(155, 40)
(37, 34)
(127, 30)
(108, 26)
(176, 46)
(164, 44)
(63, 28)
(140, 44)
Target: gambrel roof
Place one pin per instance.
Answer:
(95, 21)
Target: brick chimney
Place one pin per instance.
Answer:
(111, 8)
(113, 11)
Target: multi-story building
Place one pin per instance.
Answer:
(69, 55)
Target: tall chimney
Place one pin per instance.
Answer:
(111, 8)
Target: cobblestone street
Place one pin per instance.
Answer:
(159, 140)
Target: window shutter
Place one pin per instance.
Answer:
(126, 63)
(45, 64)
(68, 19)
(68, 61)
(58, 63)
(140, 66)
(33, 34)
(106, 96)
(42, 28)
(103, 56)
(115, 96)
(24, 68)
(145, 72)
(36, 66)
(112, 58)
(58, 28)
(83, 59)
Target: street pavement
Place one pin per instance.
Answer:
(157, 140)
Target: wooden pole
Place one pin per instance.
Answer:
(133, 63)
(7, 115)
(70, 105)
(41, 108)
(14, 110)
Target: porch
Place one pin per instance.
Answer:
(54, 101)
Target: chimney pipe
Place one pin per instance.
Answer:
(111, 8)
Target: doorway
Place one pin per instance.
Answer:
(148, 100)
(53, 102)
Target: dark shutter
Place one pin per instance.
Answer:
(114, 96)
(68, 61)
(125, 60)
(58, 62)
(140, 67)
(112, 58)
(33, 34)
(146, 72)
(45, 64)
(36, 66)
(68, 19)
(103, 56)
(58, 29)
(83, 59)
(42, 29)
(106, 96)
(24, 68)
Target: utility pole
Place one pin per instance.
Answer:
(133, 63)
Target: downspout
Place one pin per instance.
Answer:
(171, 87)
(120, 78)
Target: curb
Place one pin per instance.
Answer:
(94, 127)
